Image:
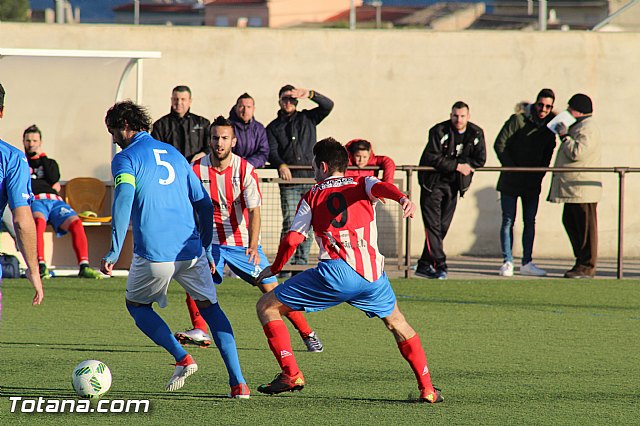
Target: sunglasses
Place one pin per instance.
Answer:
(289, 99)
(544, 106)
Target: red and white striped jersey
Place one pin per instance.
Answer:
(342, 213)
(233, 191)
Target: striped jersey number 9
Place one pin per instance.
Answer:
(337, 205)
(165, 164)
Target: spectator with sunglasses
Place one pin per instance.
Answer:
(524, 141)
(291, 137)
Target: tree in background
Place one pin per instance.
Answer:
(14, 10)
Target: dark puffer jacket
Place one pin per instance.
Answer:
(291, 138)
(524, 141)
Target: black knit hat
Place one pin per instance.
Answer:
(581, 103)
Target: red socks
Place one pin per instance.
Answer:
(280, 344)
(79, 241)
(412, 351)
(300, 323)
(41, 225)
(196, 319)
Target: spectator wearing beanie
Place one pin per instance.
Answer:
(579, 191)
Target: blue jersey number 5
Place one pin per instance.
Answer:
(167, 165)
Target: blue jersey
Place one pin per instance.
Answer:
(163, 221)
(15, 178)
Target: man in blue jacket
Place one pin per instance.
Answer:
(252, 144)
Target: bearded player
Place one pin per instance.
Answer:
(158, 192)
(341, 211)
(232, 184)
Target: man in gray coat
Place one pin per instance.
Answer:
(579, 191)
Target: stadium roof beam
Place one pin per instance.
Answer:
(135, 58)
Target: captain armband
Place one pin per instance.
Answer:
(125, 178)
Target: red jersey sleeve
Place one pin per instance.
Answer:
(378, 189)
(286, 249)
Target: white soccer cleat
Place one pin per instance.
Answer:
(312, 343)
(506, 270)
(532, 270)
(195, 336)
(184, 369)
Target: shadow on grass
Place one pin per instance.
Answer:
(81, 347)
(523, 304)
(93, 347)
(7, 391)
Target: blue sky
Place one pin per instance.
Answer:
(90, 10)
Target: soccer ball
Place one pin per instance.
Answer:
(91, 379)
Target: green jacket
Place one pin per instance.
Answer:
(524, 141)
(581, 148)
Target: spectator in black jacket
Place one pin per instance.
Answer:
(455, 148)
(292, 136)
(186, 131)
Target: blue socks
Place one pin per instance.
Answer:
(223, 336)
(150, 323)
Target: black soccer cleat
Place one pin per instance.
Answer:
(431, 397)
(283, 383)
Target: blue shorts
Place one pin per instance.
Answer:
(55, 212)
(238, 262)
(333, 282)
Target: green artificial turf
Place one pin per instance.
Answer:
(503, 351)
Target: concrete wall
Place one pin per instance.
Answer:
(388, 86)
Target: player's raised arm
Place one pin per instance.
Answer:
(382, 190)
